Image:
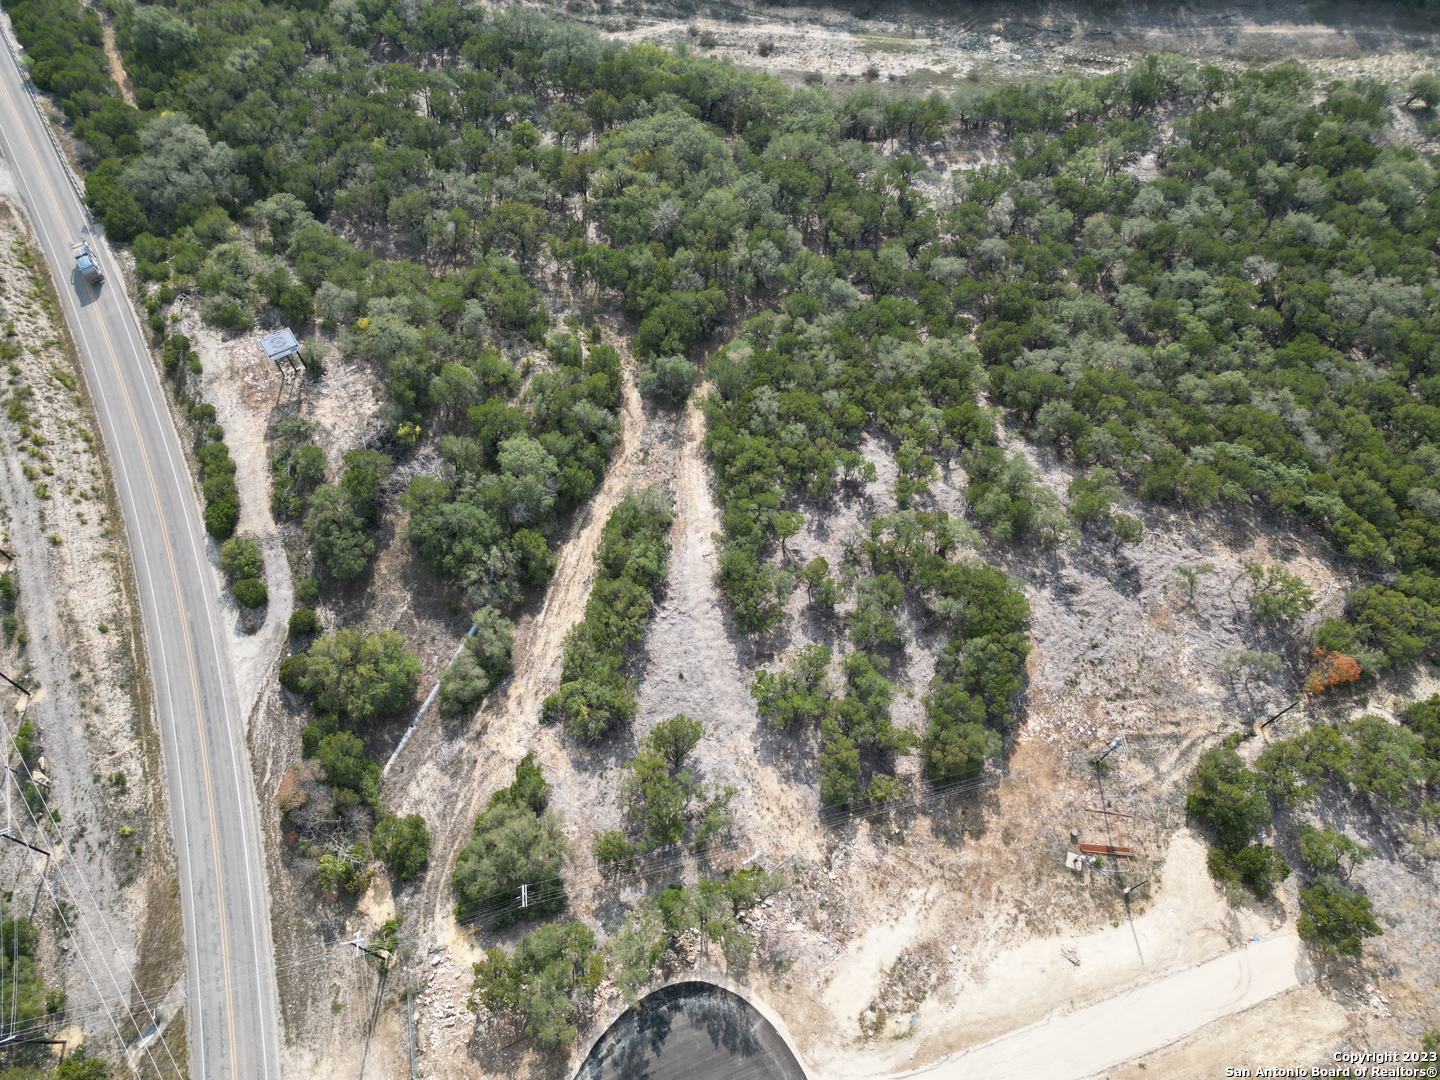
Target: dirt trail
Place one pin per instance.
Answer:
(117, 66)
(692, 667)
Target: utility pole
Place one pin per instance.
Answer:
(410, 1023)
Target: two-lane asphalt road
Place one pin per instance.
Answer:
(231, 1001)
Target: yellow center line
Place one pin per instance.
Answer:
(184, 625)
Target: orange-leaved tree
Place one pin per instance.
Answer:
(1331, 669)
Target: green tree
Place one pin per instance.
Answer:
(1190, 575)
(595, 695)
(1329, 851)
(402, 844)
(516, 841)
(344, 871)
(303, 620)
(365, 473)
(492, 642)
(1293, 769)
(553, 971)
(799, 695)
(1424, 88)
(664, 799)
(1128, 529)
(1257, 867)
(655, 799)
(613, 850)
(1336, 918)
(240, 558)
(675, 738)
(160, 39)
(354, 676)
(1276, 594)
(250, 593)
(667, 378)
(528, 479)
(824, 591)
(180, 174)
(1091, 496)
(81, 1066)
(873, 624)
(346, 765)
(337, 533)
(839, 770)
(463, 685)
(1386, 764)
(1227, 797)
(1423, 718)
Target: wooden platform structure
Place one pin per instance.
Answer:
(1119, 850)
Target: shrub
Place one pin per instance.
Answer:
(250, 593)
(553, 968)
(1227, 798)
(667, 378)
(516, 840)
(402, 844)
(352, 675)
(1330, 669)
(595, 695)
(1336, 918)
(303, 620)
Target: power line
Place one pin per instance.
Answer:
(73, 899)
(644, 867)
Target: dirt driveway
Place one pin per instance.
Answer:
(1142, 1019)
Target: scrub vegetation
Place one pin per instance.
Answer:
(1251, 325)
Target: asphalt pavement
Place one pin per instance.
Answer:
(231, 1009)
(691, 1031)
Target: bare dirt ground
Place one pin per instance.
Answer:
(1298, 1028)
(79, 641)
(923, 47)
